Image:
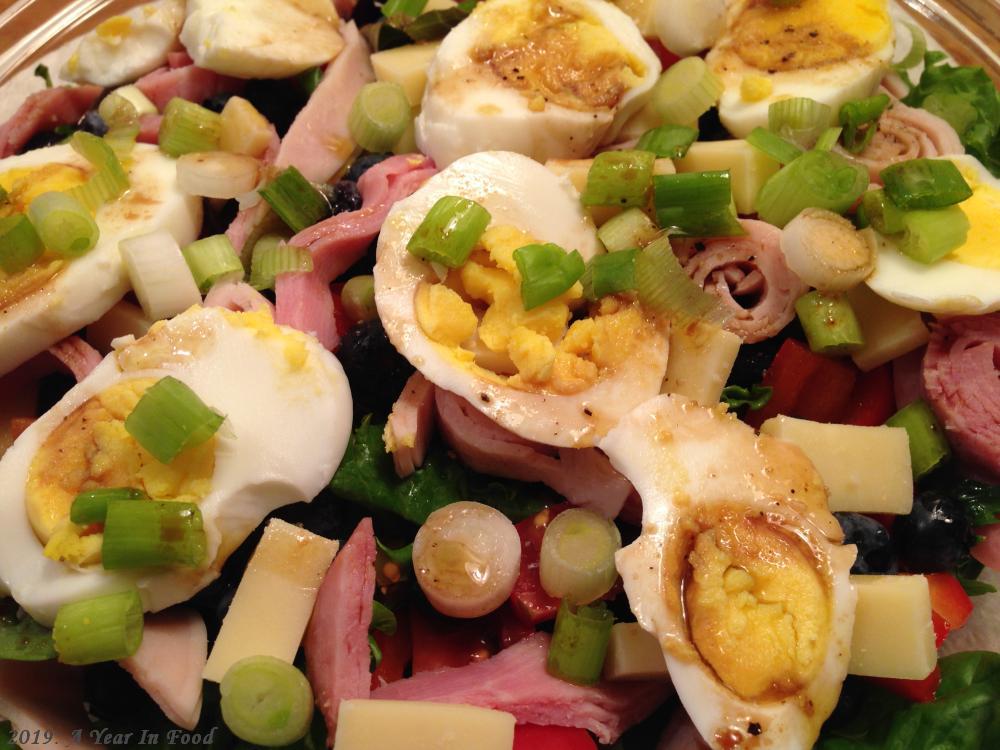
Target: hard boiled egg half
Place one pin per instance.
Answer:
(832, 51)
(561, 373)
(56, 296)
(545, 78)
(967, 280)
(287, 408)
(739, 573)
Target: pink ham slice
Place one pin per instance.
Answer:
(170, 661)
(77, 355)
(237, 296)
(751, 267)
(962, 384)
(410, 424)
(988, 550)
(907, 377)
(45, 697)
(516, 681)
(149, 128)
(44, 110)
(336, 641)
(584, 476)
(304, 300)
(187, 82)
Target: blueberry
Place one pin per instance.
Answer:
(875, 552)
(92, 122)
(365, 351)
(217, 102)
(936, 535)
(362, 164)
(343, 196)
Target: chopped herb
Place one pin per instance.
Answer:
(42, 71)
(403, 557)
(383, 619)
(755, 397)
(976, 588)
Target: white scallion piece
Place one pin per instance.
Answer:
(826, 251)
(217, 174)
(159, 274)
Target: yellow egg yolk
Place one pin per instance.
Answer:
(756, 606)
(983, 211)
(552, 51)
(809, 34)
(91, 449)
(477, 314)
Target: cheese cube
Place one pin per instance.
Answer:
(893, 632)
(749, 168)
(406, 66)
(701, 358)
(275, 598)
(890, 331)
(417, 725)
(633, 654)
(865, 469)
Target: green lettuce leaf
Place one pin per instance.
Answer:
(21, 638)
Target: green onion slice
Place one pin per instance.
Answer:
(122, 140)
(829, 322)
(379, 116)
(828, 139)
(105, 628)
(188, 128)
(295, 200)
(170, 418)
(64, 226)
(630, 228)
(619, 178)
(696, 204)
(117, 110)
(577, 556)
(881, 213)
(266, 701)
(450, 231)
(925, 183)
(546, 272)
(817, 179)
(273, 256)
(149, 534)
(609, 274)
(358, 297)
(668, 141)
(928, 446)
(915, 55)
(930, 235)
(860, 121)
(666, 289)
(686, 91)
(20, 245)
(92, 506)
(211, 259)
(799, 119)
(109, 180)
(773, 145)
(580, 643)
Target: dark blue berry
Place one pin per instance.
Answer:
(217, 102)
(362, 164)
(343, 196)
(875, 552)
(936, 535)
(92, 122)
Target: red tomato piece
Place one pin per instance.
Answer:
(949, 600)
(873, 400)
(440, 641)
(397, 651)
(918, 691)
(529, 600)
(535, 737)
(787, 375)
(941, 628)
(828, 392)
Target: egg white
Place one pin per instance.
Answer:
(88, 286)
(946, 287)
(522, 193)
(285, 433)
(463, 114)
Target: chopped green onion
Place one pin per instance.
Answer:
(358, 297)
(619, 178)
(685, 91)
(773, 145)
(20, 245)
(92, 506)
(817, 179)
(266, 701)
(925, 183)
(930, 235)
(546, 272)
(860, 121)
(295, 200)
(379, 116)
(829, 322)
(829, 139)
(105, 628)
(148, 534)
(109, 180)
(881, 213)
(450, 231)
(42, 71)
(696, 204)
(666, 289)
(609, 274)
(309, 79)
(411, 8)
(577, 556)
(122, 140)
(580, 642)
(928, 446)
(914, 56)
(736, 397)
(272, 256)
(63, 225)
(376, 653)
(117, 110)
(159, 274)
(188, 127)
(668, 141)
(799, 119)
(630, 228)
(212, 258)
(383, 619)
(170, 418)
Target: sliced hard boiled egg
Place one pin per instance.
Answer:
(832, 51)
(56, 296)
(739, 573)
(967, 280)
(287, 406)
(539, 373)
(686, 27)
(545, 78)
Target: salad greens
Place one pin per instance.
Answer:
(755, 397)
(366, 476)
(965, 715)
(5, 741)
(21, 638)
(982, 500)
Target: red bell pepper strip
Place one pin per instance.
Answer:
(873, 400)
(529, 600)
(941, 628)
(949, 600)
(828, 392)
(535, 737)
(397, 651)
(918, 691)
(440, 641)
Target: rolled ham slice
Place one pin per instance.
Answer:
(584, 476)
(44, 110)
(411, 422)
(336, 641)
(77, 355)
(751, 268)
(516, 681)
(962, 384)
(186, 81)
(237, 296)
(45, 697)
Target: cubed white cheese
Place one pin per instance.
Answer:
(748, 167)
(406, 66)
(893, 632)
(865, 469)
(634, 654)
(416, 725)
(275, 598)
(890, 331)
(701, 358)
